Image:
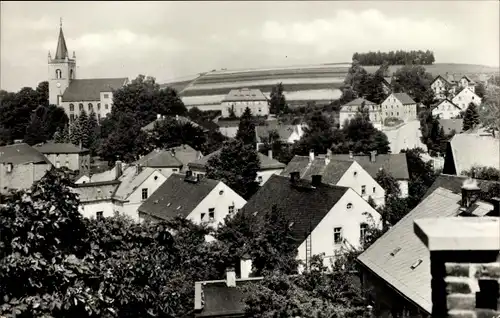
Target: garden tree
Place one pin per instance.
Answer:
(348, 94)
(75, 133)
(43, 93)
(383, 70)
(489, 111)
(480, 90)
(484, 173)
(236, 165)
(416, 82)
(371, 87)
(92, 127)
(277, 100)
(433, 135)
(36, 131)
(392, 193)
(371, 202)
(318, 135)
(422, 176)
(170, 133)
(232, 115)
(16, 110)
(355, 76)
(246, 128)
(213, 141)
(282, 151)
(62, 135)
(471, 117)
(83, 123)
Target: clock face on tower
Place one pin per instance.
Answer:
(58, 84)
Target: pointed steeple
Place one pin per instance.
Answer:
(62, 50)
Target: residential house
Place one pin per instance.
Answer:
(169, 160)
(180, 119)
(340, 172)
(237, 100)
(107, 175)
(66, 155)
(441, 87)
(96, 198)
(76, 95)
(323, 218)
(287, 133)
(466, 96)
(467, 82)
(386, 85)
(349, 110)
(399, 105)
(20, 166)
(465, 151)
(200, 200)
(396, 268)
(451, 125)
(446, 109)
(394, 164)
(268, 166)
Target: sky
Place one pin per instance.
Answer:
(177, 40)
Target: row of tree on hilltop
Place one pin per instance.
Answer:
(399, 57)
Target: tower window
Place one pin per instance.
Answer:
(71, 107)
(80, 106)
(58, 74)
(91, 107)
(71, 74)
(98, 106)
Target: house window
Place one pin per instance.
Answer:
(488, 294)
(373, 189)
(261, 109)
(175, 170)
(80, 106)
(98, 106)
(363, 190)
(106, 95)
(144, 193)
(337, 235)
(211, 214)
(259, 178)
(105, 106)
(202, 215)
(98, 117)
(72, 118)
(71, 107)
(355, 173)
(349, 206)
(363, 227)
(91, 107)
(99, 214)
(231, 209)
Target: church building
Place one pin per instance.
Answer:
(76, 95)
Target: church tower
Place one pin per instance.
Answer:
(62, 70)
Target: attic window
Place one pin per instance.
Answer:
(156, 178)
(221, 192)
(355, 173)
(349, 206)
(415, 265)
(395, 251)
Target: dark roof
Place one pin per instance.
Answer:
(304, 206)
(266, 163)
(404, 98)
(176, 196)
(245, 94)
(62, 50)
(454, 183)
(330, 173)
(160, 158)
(451, 124)
(359, 102)
(395, 164)
(441, 77)
(82, 90)
(180, 119)
(466, 147)
(442, 101)
(19, 154)
(98, 191)
(393, 255)
(52, 147)
(284, 131)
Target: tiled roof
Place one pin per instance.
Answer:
(130, 181)
(395, 164)
(266, 163)
(441, 77)
(52, 147)
(404, 98)
(107, 175)
(82, 90)
(284, 131)
(160, 158)
(186, 154)
(96, 191)
(451, 124)
(392, 256)
(19, 154)
(445, 100)
(330, 173)
(454, 183)
(466, 147)
(177, 197)
(303, 205)
(244, 94)
(359, 102)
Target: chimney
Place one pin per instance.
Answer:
(118, 169)
(351, 154)
(245, 266)
(311, 155)
(189, 174)
(158, 116)
(230, 277)
(270, 153)
(294, 176)
(373, 156)
(138, 169)
(316, 180)
(328, 157)
(470, 192)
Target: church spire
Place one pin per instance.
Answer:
(62, 50)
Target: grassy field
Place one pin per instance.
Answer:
(443, 68)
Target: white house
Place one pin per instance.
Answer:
(446, 109)
(466, 82)
(349, 110)
(268, 166)
(323, 218)
(340, 172)
(465, 97)
(239, 99)
(96, 198)
(440, 86)
(200, 200)
(399, 105)
(287, 133)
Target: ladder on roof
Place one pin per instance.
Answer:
(308, 252)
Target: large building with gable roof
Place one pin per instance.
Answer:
(76, 95)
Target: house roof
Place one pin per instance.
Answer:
(303, 205)
(468, 79)
(180, 119)
(19, 154)
(107, 175)
(395, 164)
(266, 163)
(284, 131)
(392, 256)
(176, 196)
(244, 94)
(466, 147)
(62, 49)
(330, 173)
(445, 100)
(96, 191)
(130, 181)
(454, 184)
(82, 90)
(404, 98)
(186, 154)
(359, 102)
(451, 124)
(52, 147)
(160, 158)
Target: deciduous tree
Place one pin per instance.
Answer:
(277, 101)
(246, 129)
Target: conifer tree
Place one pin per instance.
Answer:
(246, 128)
(471, 117)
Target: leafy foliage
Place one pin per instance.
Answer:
(246, 128)
(416, 82)
(433, 135)
(471, 117)
(399, 57)
(484, 173)
(170, 133)
(489, 111)
(277, 101)
(281, 151)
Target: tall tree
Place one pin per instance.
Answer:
(236, 165)
(62, 135)
(277, 101)
(489, 110)
(75, 133)
(246, 128)
(43, 93)
(480, 90)
(392, 193)
(416, 82)
(93, 131)
(471, 117)
(83, 123)
(171, 133)
(319, 135)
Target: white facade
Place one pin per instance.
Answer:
(362, 183)
(91, 209)
(258, 107)
(439, 87)
(101, 108)
(393, 107)
(264, 175)
(223, 200)
(349, 112)
(446, 110)
(348, 220)
(465, 97)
